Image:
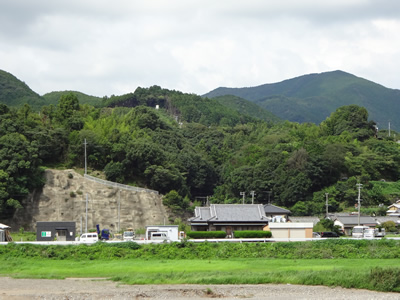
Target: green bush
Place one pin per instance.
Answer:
(206, 234)
(385, 279)
(252, 234)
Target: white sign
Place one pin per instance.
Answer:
(46, 233)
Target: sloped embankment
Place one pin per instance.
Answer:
(63, 198)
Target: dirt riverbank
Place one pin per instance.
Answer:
(74, 288)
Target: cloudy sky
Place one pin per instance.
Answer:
(103, 47)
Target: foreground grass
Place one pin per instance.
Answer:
(373, 274)
(369, 264)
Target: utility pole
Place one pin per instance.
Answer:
(119, 208)
(326, 204)
(243, 194)
(252, 193)
(389, 129)
(86, 212)
(269, 197)
(359, 186)
(85, 143)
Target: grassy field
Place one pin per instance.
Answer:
(364, 264)
(349, 273)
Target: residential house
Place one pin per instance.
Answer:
(276, 213)
(347, 223)
(394, 209)
(229, 218)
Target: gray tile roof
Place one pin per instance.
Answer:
(313, 220)
(230, 213)
(272, 209)
(353, 220)
(384, 219)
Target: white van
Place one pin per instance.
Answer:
(90, 237)
(159, 236)
(358, 231)
(369, 233)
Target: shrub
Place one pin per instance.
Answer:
(385, 279)
(206, 234)
(72, 194)
(252, 234)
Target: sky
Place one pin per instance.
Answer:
(105, 48)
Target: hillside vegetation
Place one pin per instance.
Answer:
(312, 98)
(191, 147)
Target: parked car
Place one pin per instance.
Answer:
(316, 235)
(380, 232)
(90, 237)
(329, 234)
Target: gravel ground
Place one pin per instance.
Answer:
(89, 288)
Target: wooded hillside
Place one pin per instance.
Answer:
(192, 147)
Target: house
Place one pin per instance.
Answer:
(276, 213)
(346, 223)
(229, 218)
(394, 209)
(382, 219)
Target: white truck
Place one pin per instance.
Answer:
(163, 232)
(129, 235)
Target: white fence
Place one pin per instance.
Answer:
(119, 185)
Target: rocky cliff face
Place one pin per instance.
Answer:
(63, 198)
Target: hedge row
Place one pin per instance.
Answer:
(333, 248)
(252, 234)
(206, 234)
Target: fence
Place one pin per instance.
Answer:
(119, 185)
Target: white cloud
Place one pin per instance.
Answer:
(103, 48)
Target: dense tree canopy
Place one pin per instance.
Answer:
(196, 148)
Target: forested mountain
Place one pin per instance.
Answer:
(247, 107)
(312, 98)
(14, 92)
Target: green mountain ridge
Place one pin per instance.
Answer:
(53, 97)
(313, 97)
(14, 92)
(191, 108)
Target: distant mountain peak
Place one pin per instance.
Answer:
(313, 97)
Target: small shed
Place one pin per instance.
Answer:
(291, 230)
(4, 233)
(55, 231)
